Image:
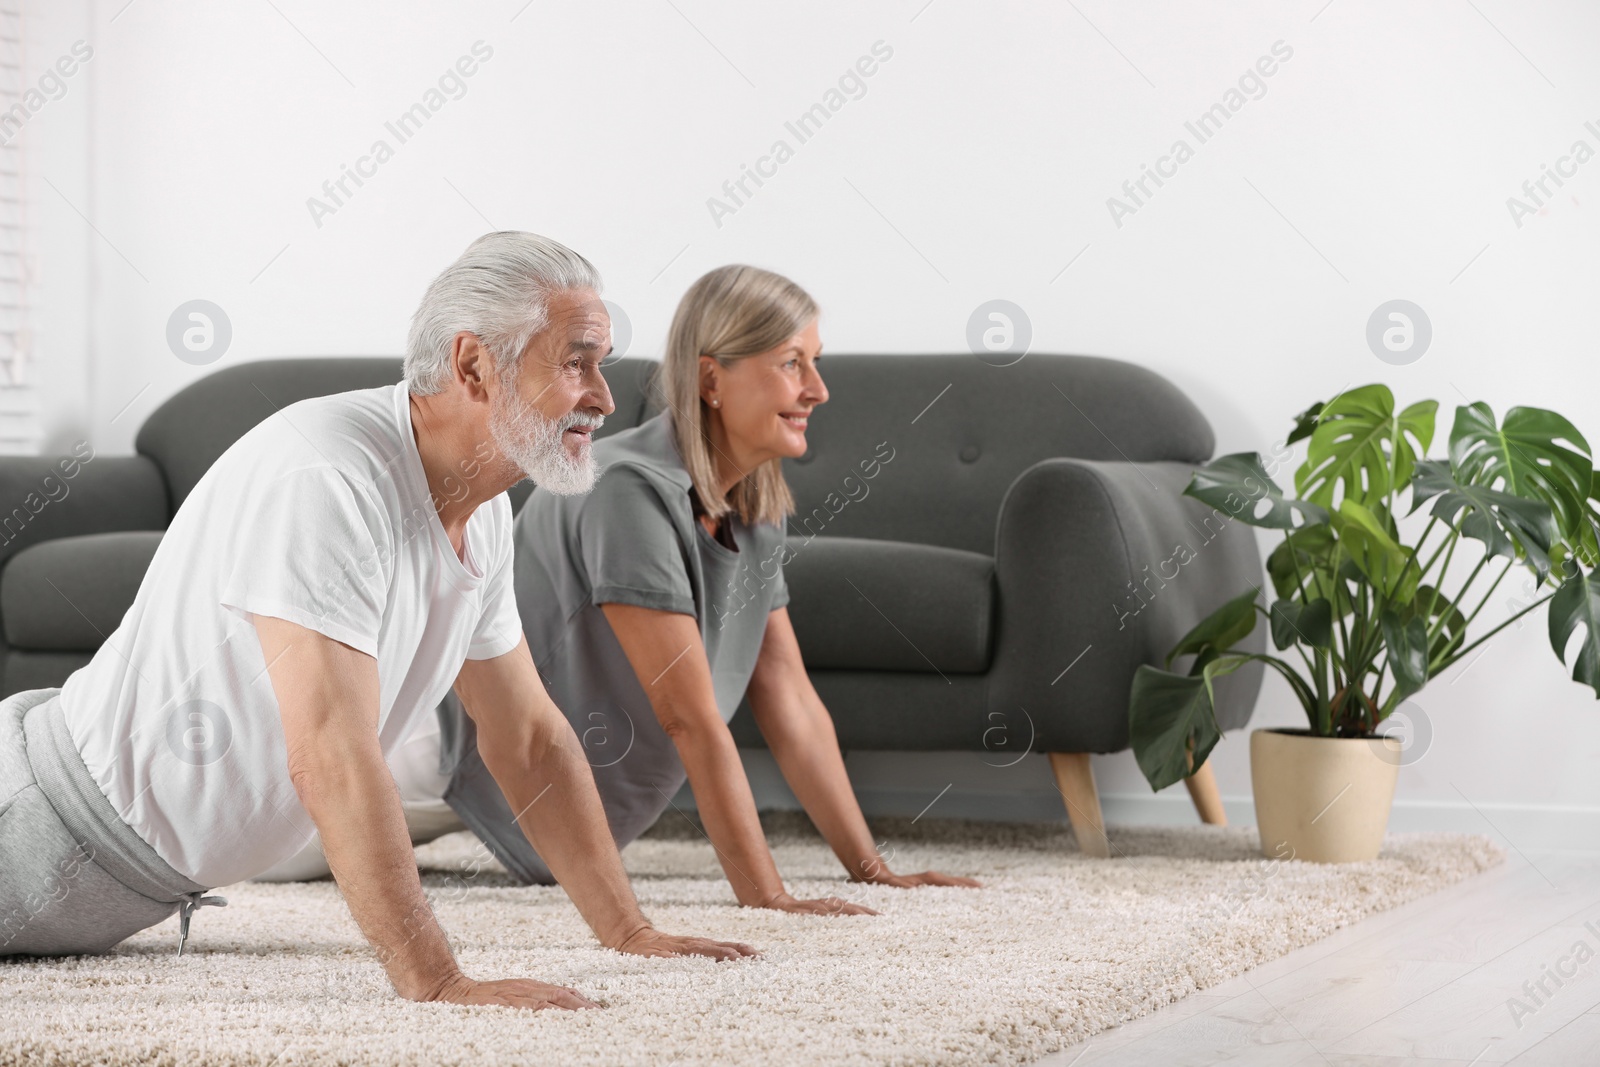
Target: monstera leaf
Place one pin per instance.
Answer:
(1306, 552)
(1525, 457)
(1310, 624)
(1238, 484)
(1390, 566)
(1304, 424)
(1587, 544)
(1407, 644)
(1362, 447)
(1507, 524)
(1171, 713)
(1430, 604)
(1217, 632)
(1300, 554)
(1577, 603)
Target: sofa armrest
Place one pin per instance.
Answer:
(42, 499)
(1102, 566)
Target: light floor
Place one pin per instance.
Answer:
(1428, 983)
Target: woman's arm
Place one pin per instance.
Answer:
(799, 731)
(530, 750)
(665, 651)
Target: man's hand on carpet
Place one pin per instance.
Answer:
(510, 993)
(652, 942)
(820, 906)
(884, 876)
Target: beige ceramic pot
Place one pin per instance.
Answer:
(1324, 799)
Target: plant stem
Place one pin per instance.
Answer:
(1383, 674)
(1468, 648)
(1294, 559)
(1490, 591)
(1322, 683)
(1423, 573)
(1339, 592)
(1435, 627)
(1424, 539)
(1300, 585)
(1438, 583)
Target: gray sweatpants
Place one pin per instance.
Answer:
(74, 878)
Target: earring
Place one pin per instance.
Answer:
(716, 403)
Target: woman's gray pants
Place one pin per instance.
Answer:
(74, 878)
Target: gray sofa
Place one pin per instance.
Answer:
(982, 555)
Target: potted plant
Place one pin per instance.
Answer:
(1370, 615)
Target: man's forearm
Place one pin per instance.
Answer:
(350, 795)
(553, 796)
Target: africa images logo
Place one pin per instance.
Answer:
(199, 732)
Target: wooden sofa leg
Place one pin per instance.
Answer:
(1075, 780)
(1207, 800)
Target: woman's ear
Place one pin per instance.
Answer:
(709, 378)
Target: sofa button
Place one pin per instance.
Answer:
(969, 454)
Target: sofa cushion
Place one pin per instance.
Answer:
(890, 605)
(67, 595)
(78, 493)
(26, 669)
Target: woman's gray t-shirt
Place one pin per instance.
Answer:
(634, 540)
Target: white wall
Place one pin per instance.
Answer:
(56, 143)
(977, 165)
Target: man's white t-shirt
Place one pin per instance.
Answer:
(321, 515)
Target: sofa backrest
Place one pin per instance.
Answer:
(959, 431)
(187, 433)
(195, 425)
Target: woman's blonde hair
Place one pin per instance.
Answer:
(729, 314)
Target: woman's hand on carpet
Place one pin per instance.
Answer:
(652, 942)
(820, 906)
(510, 993)
(883, 876)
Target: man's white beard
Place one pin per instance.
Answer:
(537, 445)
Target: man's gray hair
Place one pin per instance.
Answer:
(500, 290)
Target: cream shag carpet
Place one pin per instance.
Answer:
(1055, 948)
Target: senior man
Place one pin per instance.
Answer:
(331, 576)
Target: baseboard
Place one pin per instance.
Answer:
(1522, 826)
(1531, 826)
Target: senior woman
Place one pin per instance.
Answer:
(655, 602)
